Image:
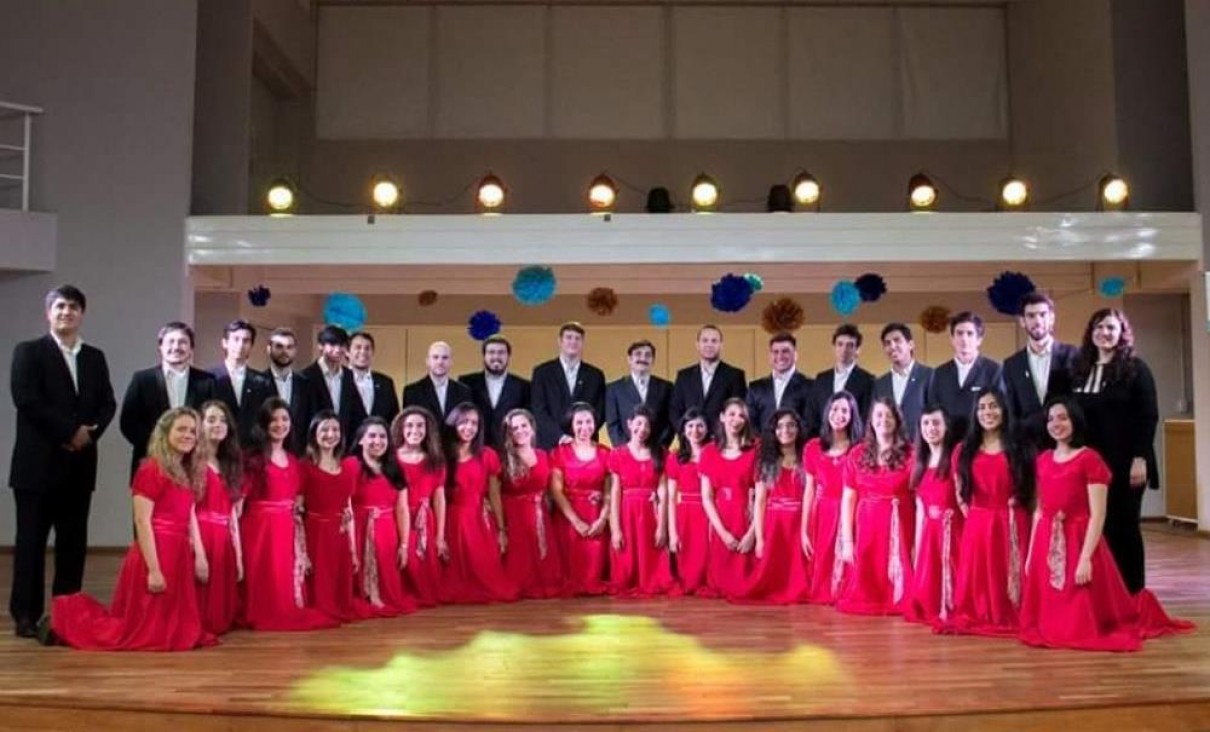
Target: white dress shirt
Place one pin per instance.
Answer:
(71, 356)
(964, 370)
(365, 387)
(899, 382)
(840, 377)
(495, 386)
(640, 383)
(708, 375)
(571, 371)
(285, 384)
(1039, 368)
(177, 384)
(333, 381)
(238, 374)
(780, 382)
(441, 388)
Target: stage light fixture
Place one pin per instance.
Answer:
(806, 190)
(922, 194)
(1014, 194)
(704, 194)
(491, 194)
(384, 192)
(602, 194)
(1113, 193)
(659, 201)
(779, 200)
(281, 197)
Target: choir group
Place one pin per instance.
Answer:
(974, 498)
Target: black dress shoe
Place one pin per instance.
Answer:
(26, 629)
(45, 634)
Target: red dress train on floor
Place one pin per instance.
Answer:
(585, 558)
(782, 575)
(422, 577)
(823, 526)
(692, 526)
(639, 568)
(332, 542)
(932, 596)
(378, 580)
(733, 481)
(475, 572)
(884, 526)
(532, 561)
(218, 598)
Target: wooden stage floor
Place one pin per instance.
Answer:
(620, 665)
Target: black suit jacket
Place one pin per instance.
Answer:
(799, 396)
(147, 398)
(300, 410)
(422, 393)
(386, 402)
(49, 411)
(551, 397)
(912, 404)
(1023, 397)
(257, 388)
(728, 382)
(860, 384)
(622, 396)
(513, 395)
(349, 411)
(959, 400)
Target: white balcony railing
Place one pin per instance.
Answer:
(11, 147)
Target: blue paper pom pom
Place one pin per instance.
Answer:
(755, 281)
(259, 296)
(534, 285)
(1007, 290)
(845, 297)
(1112, 286)
(659, 315)
(731, 294)
(483, 325)
(871, 286)
(344, 310)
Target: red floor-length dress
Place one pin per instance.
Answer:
(475, 572)
(987, 591)
(585, 558)
(782, 576)
(422, 578)
(733, 481)
(275, 592)
(884, 526)
(692, 526)
(639, 568)
(932, 596)
(823, 527)
(1057, 613)
(532, 561)
(379, 580)
(218, 598)
(138, 620)
(331, 542)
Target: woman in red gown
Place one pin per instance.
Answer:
(155, 605)
(823, 461)
(579, 480)
(782, 574)
(423, 463)
(475, 571)
(639, 564)
(218, 519)
(995, 476)
(728, 470)
(532, 559)
(381, 521)
(275, 548)
(877, 517)
(938, 520)
(1074, 595)
(328, 487)
(688, 527)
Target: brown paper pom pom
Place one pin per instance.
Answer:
(783, 314)
(426, 298)
(935, 319)
(602, 300)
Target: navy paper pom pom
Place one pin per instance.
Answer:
(259, 296)
(731, 294)
(483, 325)
(871, 286)
(1007, 290)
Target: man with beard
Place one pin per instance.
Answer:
(1041, 370)
(436, 391)
(563, 381)
(153, 391)
(639, 387)
(905, 383)
(957, 384)
(241, 388)
(709, 382)
(495, 391)
(784, 388)
(376, 389)
(289, 384)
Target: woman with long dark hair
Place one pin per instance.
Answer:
(639, 564)
(688, 526)
(823, 461)
(218, 518)
(418, 450)
(728, 470)
(938, 519)
(532, 561)
(579, 485)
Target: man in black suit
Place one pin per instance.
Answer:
(784, 388)
(907, 380)
(170, 384)
(957, 384)
(562, 381)
(289, 384)
(436, 391)
(241, 388)
(331, 384)
(375, 389)
(845, 375)
(1041, 370)
(639, 387)
(64, 402)
(496, 392)
(709, 382)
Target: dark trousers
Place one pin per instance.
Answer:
(37, 513)
(1123, 508)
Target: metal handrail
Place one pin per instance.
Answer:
(27, 113)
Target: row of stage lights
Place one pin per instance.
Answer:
(803, 193)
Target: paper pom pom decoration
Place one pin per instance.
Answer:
(1112, 286)
(602, 300)
(483, 325)
(534, 285)
(935, 319)
(731, 294)
(783, 314)
(845, 297)
(1007, 290)
(871, 286)
(659, 315)
(344, 310)
(259, 296)
(426, 298)
(754, 281)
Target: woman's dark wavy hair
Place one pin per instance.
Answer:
(652, 442)
(854, 430)
(431, 447)
(896, 457)
(747, 438)
(1122, 366)
(313, 450)
(1019, 452)
(453, 442)
(1079, 423)
(923, 452)
(390, 464)
(684, 451)
(769, 460)
(572, 411)
(227, 453)
(257, 456)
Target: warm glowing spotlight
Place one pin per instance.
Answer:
(602, 193)
(281, 197)
(922, 194)
(1114, 193)
(1014, 194)
(491, 193)
(806, 190)
(704, 193)
(385, 194)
